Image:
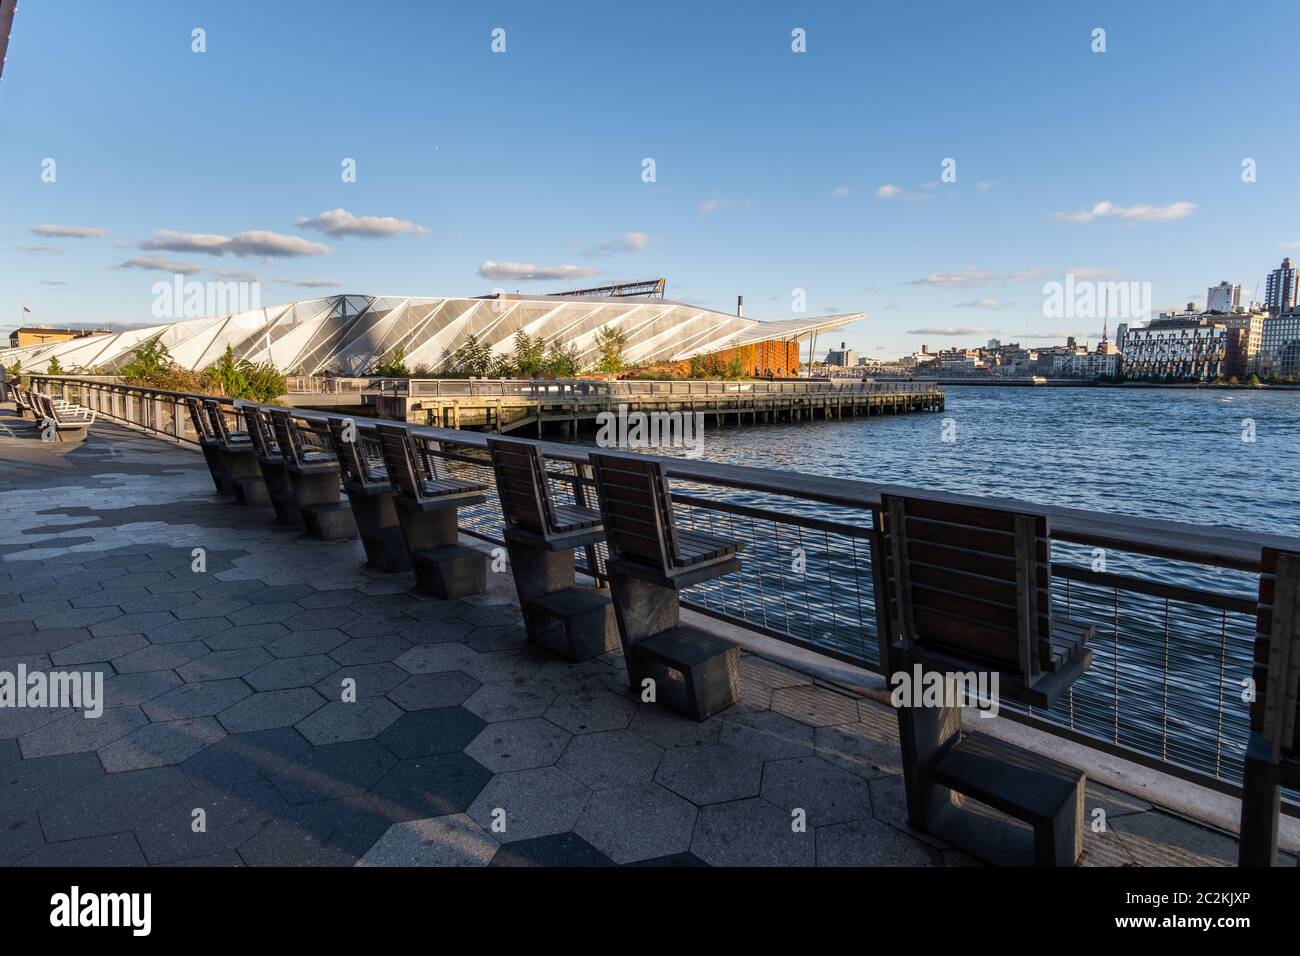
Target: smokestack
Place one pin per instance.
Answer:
(740, 306)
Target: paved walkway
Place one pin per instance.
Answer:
(464, 746)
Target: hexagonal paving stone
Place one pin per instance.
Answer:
(435, 658)
(291, 672)
(191, 630)
(113, 803)
(231, 813)
(338, 597)
(317, 619)
(638, 822)
(711, 773)
(130, 690)
(247, 635)
(425, 732)
(365, 680)
(370, 650)
(769, 735)
(264, 613)
(97, 649)
(560, 849)
(114, 850)
(669, 729)
(436, 631)
(121, 624)
(336, 772)
(280, 594)
(587, 710)
(535, 803)
(751, 833)
(102, 621)
(871, 843)
(271, 708)
(498, 638)
(863, 749)
(889, 805)
(518, 745)
(159, 657)
(612, 758)
(453, 840)
(814, 705)
(430, 786)
(826, 793)
(494, 702)
(338, 721)
(197, 700)
(505, 667)
(221, 665)
(211, 607)
(240, 757)
(426, 691)
(157, 745)
(330, 832)
(305, 643)
(76, 733)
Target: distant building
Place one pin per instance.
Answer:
(1245, 342)
(1224, 297)
(843, 356)
(1279, 352)
(1180, 346)
(37, 335)
(1280, 291)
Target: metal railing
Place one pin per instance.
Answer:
(594, 388)
(1174, 606)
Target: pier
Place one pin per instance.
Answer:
(97, 571)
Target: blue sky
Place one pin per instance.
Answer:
(775, 170)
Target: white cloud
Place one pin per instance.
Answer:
(714, 203)
(1290, 245)
(528, 272)
(628, 242)
(159, 264)
(42, 250)
(56, 283)
(984, 185)
(984, 304)
(255, 242)
(841, 191)
(1141, 213)
(889, 191)
(970, 278)
(340, 222)
(69, 232)
(892, 191)
(310, 283)
(964, 330)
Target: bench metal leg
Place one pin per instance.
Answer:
(246, 479)
(575, 623)
(442, 565)
(217, 468)
(324, 515)
(642, 609)
(281, 491)
(381, 532)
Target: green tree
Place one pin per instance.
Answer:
(263, 383)
(228, 376)
(472, 360)
(393, 367)
(1253, 380)
(735, 368)
(530, 359)
(611, 343)
(148, 363)
(54, 367)
(560, 361)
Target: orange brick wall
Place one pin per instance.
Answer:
(781, 357)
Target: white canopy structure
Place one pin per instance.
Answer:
(348, 334)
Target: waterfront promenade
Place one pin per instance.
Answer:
(223, 694)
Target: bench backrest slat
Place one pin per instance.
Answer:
(636, 507)
(348, 452)
(286, 434)
(199, 418)
(261, 431)
(398, 460)
(969, 581)
(522, 486)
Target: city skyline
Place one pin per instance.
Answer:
(233, 165)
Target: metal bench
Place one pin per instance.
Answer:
(427, 502)
(208, 443)
(313, 471)
(650, 560)
(238, 456)
(261, 434)
(1273, 748)
(370, 494)
(964, 590)
(542, 538)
